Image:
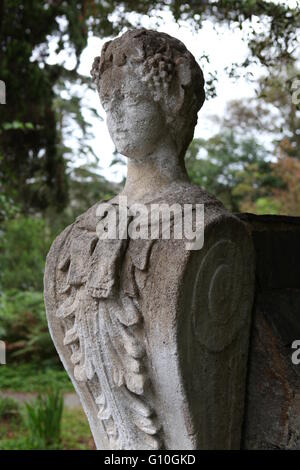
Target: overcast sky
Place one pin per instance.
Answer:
(224, 47)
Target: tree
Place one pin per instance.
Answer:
(86, 187)
(29, 155)
(33, 170)
(24, 244)
(235, 170)
(288, 197)
(272, 114)
(273, 117)
(33, 164)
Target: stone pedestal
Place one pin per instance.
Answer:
(162, 363)
(272, 418)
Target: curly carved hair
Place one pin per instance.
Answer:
(170, 71)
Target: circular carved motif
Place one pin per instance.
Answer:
(220, 299)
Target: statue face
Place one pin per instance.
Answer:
(136, 122)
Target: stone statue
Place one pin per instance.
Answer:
(154, 336)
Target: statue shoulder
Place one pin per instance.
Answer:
(68, 259)
(84, 226)
(187, 193)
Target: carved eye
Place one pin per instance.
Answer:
(65, 263)
(93, 245)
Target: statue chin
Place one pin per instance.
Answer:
(130, 151)
(123, 145)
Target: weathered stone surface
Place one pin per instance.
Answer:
(281, 307)
(273, 392)
(154, 336)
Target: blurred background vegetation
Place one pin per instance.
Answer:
(42, 189)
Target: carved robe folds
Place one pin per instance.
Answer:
(155, 337)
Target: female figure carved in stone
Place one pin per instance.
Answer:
(154, 337)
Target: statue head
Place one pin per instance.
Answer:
(151, 87)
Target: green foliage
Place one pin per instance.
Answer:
(25, 240)
(231, 168)
(33, 170)
(87, 187)
(265, 205)
(9, 409)
(273, 117)
(75, 432)
(7, 208)
(24, 327)
(7, 126)
(24, 244)
(18, 443)
(43, 420)
(31, 378)
(273, 113)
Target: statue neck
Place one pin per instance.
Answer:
(153, 174)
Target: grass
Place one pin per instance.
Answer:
(31, 378)
(9, 408)
(76, 434)
(43, 417)
(14, 431)
(14, 434)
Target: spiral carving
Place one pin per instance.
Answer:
(220, 295)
